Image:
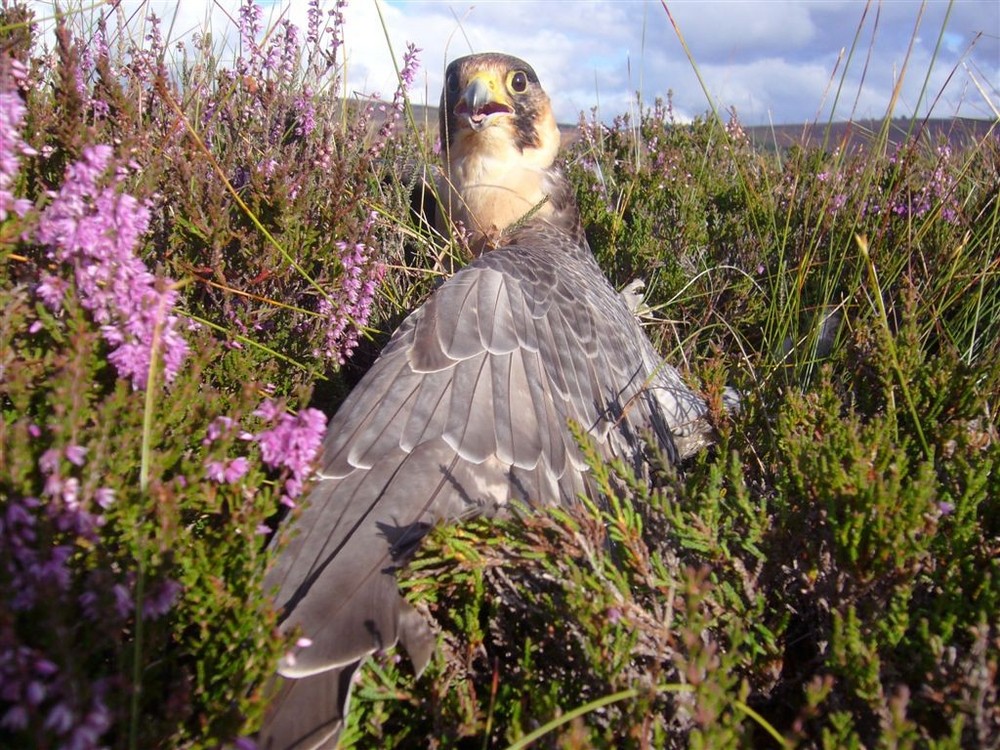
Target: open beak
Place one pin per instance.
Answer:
(483, 101)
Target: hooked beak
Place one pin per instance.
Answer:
(483, 101)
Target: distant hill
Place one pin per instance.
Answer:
(861, 133)
(856, 134)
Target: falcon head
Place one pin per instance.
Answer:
(500, 140)
(494, 102)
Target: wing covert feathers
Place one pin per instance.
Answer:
(467, 409)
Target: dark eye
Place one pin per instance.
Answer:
(518, 82)
(452, 83)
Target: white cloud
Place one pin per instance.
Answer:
(735, 32)
(771, 59)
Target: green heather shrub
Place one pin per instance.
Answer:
(197, 255)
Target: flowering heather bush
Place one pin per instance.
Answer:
(165, 301)
(289, 264)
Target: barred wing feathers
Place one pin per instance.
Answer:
(467, 408)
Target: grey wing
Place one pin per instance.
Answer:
(465, 409)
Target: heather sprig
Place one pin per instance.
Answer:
(919, 191)
(250, 14)
(12, 145)
(349, 311)
(290, 444)
(93, 230)
(393, 113)
(324, 42)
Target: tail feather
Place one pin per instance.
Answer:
(308, 713)
(416, 637)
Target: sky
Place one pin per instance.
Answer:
(774, 61)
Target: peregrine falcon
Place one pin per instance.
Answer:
(469, 406)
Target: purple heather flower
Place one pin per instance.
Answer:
(89, 602)
(336, 28)
(267, 167)
(269, 410)
(236, 469)
(123, 601)
(52, 291)
(216, 429)
(100, 40)
(294, 441)
(272, 59)
(250, 15)
(95, 230)
(411, 63)
(100, 108)
(76, 454)
(312, 25)
(148, 59)
(289, 49)
(407, 74)
(11, 143)
(70, 492)
(35, 693)
(359, 281)
(227, 472)
(84, 69)
(15, 718)
(937, 189)
(305, 122)
(159, 602)
(45, 668)
(104, 497)
(53, 486)
(735, 129)
(216, 471)
(60, 719)
(292, 444)
(48, 462)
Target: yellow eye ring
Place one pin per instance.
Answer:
(517, 81)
